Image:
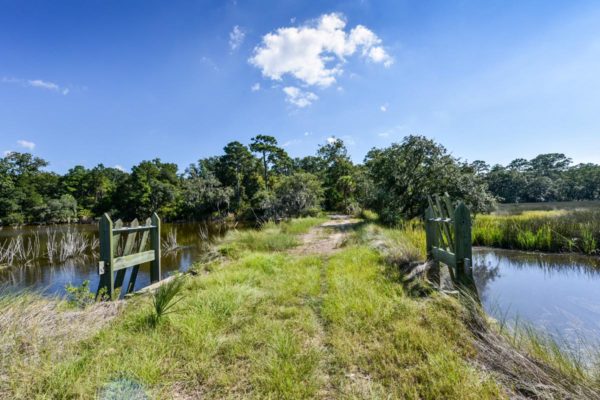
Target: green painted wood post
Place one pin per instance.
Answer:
(463, 245)
(127, 250)
(155, 271)
(135, 269)
(429, 231)
(105, 268)
(431, 237)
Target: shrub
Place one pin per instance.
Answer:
(165, 298)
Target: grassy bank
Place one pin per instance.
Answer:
(257, 322)
(552, 231)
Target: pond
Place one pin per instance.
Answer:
(555, 293)
(51, 276)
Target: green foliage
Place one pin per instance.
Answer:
(165, 298)
(80, 296)
(297, 195)
(336, 164)
(260, 181)
(405, 174)
(547, 177)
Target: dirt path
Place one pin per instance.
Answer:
(326, 238)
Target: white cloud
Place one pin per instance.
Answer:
(384, 134)
(299, 97)
(331, 139)
(383, 108)
(6, 152)
(38, 84)
(315, 53)
(236, 37)
(255, 87)
(119, 167)
(291, 142)
(26, 144)
(307, 133)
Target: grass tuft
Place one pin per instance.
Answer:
(165, 299)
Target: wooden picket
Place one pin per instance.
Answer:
(120, 249)
(448, 236)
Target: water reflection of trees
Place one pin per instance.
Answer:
(550, 264)
(485, 273)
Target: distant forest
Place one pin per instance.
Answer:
(261, 181)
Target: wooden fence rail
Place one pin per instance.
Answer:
(448, 235)
(125, 247)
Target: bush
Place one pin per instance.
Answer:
(80, 296)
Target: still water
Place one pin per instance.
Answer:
(51, 277)
(555, 293)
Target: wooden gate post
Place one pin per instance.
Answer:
(432, 241)
(155, 270)
(105, 266)
(463, 249)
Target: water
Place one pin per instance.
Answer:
(51, 277)
(558, 294)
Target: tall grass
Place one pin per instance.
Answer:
(552, 231)
(37, 333)
(269, 237)
(165, 298)
(28, 250)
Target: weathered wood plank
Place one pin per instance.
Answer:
(444, 256)
(136, 268)
(462, 226)
(131, 236)
(126, 229)
(155, 269)
(133, 259)
(106, 256)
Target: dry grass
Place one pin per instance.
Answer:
(527, 364)
(37, 332)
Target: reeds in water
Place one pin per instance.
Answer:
(27, 250)
(171, 244)
(20, 250)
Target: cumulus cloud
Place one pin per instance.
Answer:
(26, 144)
(236, 37)
(315, 53)
(119, 167)
(255, 87)
(331, 139)
(299, 97)
(383, 108)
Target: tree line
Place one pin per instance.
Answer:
(547, 177)
(261, 181)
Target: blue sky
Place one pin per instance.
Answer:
(116, 82)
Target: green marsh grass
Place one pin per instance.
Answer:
(551, 231)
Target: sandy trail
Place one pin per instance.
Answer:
(326, 238)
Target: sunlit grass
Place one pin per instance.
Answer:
(265, 324)
(553, 231)
(269, 237)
